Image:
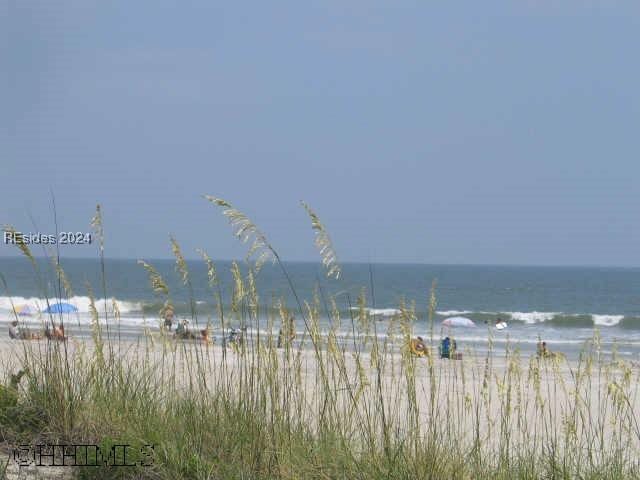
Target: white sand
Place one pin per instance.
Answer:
(454, 399)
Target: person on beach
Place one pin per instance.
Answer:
(17, 333)
(58, 333)
(167, 314)
(183, 332)
(204, 336)
(13, 330)
(236, 337)
(182, 329)
(543, 351)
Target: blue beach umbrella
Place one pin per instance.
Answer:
(61, 308)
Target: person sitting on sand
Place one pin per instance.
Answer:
(28, 335)
(58, 333)
(204, 336)
(182, 330)
(17, 333)
(13, 330)
(55, 334)
(236, 337)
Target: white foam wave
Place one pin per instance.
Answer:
(532, 317)
(85, 321)
(81, 303)
(607, 320)
(514, 341)
(382, 312)
(453, 313)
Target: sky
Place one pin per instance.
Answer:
(494, 132)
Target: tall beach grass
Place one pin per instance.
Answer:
(322, 405)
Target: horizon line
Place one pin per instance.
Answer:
(353, 262)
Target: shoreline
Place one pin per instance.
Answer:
(477, 341)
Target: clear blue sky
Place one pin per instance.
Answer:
(456, 132)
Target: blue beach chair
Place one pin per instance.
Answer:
(448, 348)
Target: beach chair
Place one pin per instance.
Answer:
(448, 349)
(445, 347)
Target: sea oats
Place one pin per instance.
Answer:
(324, 244)
(157, 283)
(96, 223)
(95, 324)
(245, 230)
(211, 268)
(181, 264)
(62, 276)
(254, 299)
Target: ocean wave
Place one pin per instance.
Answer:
(85, 320)
(607, 320)
(453, 313)
(554, 318)
(82, 303)
(514, 341)
(560, 319)
(532, 317)
(382, 312)
(557, 319)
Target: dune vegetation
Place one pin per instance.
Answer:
(316, 404)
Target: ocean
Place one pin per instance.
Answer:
(564, 306)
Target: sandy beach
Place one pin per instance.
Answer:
(519, 405)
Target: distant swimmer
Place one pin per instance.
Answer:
(501, 324)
